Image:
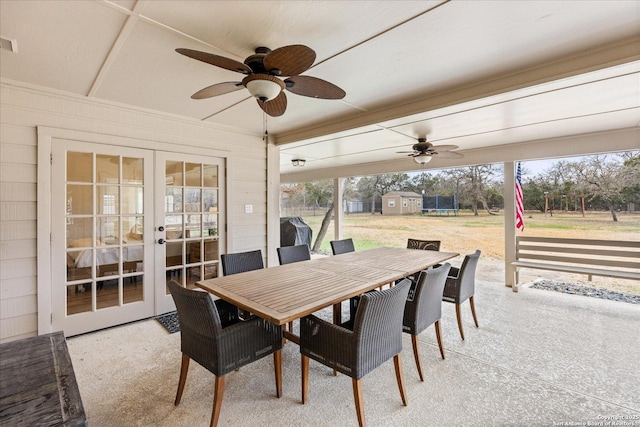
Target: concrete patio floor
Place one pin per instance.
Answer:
(539, 358)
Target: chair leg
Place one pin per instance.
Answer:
(277, 364)
(414, 341)
(473, 311)
(184, 368)
(439, 338)
(397, 361)
(304, 364)
(459, 316)
(357, 397)
(218, 392)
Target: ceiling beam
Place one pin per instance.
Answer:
(576, 145)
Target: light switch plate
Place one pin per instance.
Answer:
(248, 209)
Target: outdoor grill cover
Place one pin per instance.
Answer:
(294, 231)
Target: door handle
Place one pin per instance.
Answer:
(161, 241)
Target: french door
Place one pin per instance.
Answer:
(124, 222)
(187, 218)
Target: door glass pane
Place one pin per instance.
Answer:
(193, 275)
(210, 224)
(211, 250)
(108, 262)
(193, 226)
(173, 226)
(192, 199)
(173, 200)
(107, 293)
(133, 259)
(210, 175)
(174, 254)
(108, 200)
(210, 200)
(107, 169)
(108, 230)
(173, 173)
(132, 289)
(79, 199)
(79, 167)
(132, 200)
(193, 175)
(79, 298)
(132, 171)
(132, 229)
(80, 232)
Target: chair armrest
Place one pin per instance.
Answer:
(227, 312)
(454, 273)
(329, 344)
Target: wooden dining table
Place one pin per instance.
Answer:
(288, 292)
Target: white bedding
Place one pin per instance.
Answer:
(107, 255)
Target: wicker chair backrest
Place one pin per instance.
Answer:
(425, 307)
(427, 245)
(241, 262)
(342, 246)
(377, 327)
(290, 254)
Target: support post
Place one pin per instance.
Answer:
(509, 225)
(338, 186)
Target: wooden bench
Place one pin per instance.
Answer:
(607, 258)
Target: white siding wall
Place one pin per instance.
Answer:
(22, 109)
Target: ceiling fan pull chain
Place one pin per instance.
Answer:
(264, 127)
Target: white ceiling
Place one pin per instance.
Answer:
(475, 74)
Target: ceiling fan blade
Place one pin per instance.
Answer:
(313, 87)
(448, 155)
(289, 60)
(444, 147)
(218, 61)
(217, 89)
(405, 152)
(276, 107)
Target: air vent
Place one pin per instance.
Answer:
(8, 44)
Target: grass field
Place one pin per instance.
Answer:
(465, 233)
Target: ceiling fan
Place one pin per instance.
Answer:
(262, 70)
(423, 151)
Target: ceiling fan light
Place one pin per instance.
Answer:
(263, 86)
(422, 158)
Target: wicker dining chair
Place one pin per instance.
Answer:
(240, 262)
(359, 346)
(290, 254)
(460, 286)
(342, 246)
(426, 245)
(221, 348)
(424, 308)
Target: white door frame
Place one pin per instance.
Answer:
(45, 138)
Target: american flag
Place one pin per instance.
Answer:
(519, 201)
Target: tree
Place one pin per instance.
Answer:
(471, 185)
(606, 177)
